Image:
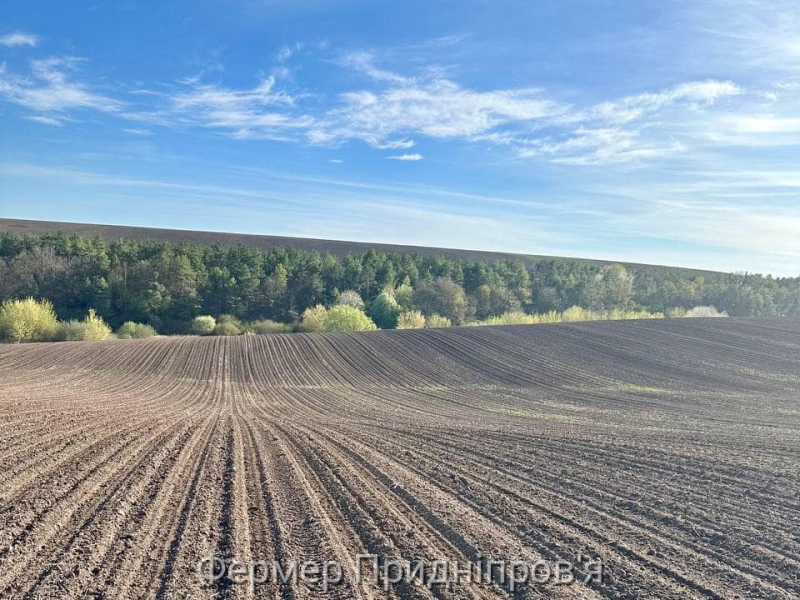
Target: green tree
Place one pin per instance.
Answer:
(347, 318)
(384, 311)
(404, 294)
(483, 301)
(611, 288)
(441, 296)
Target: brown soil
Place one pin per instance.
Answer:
(668, 449)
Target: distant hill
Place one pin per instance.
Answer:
(266, 242)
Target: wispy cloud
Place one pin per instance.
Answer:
(694, 94)
(603, 146)
(633, 129)
(50, 88)
(44, 120)
(138, 131)
(672, 214)
(260, 112)
(427, 105)
(406, 157)
(19, 38)
(747, 34)
(394, 111)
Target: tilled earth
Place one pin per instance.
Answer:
(669, 451)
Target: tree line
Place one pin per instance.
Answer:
(167, 285)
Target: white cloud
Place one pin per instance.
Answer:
(50, 89)
(635, 107)
(433, 107)
(261, 112)
(753, 35)
(396, 109)
(46, 120)
(406, 157)
(286, 52)
(635, 129)
(601, 146)
(363, 62)
(138, 131)
(19, 38)
(764, 124)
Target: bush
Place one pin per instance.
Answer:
(95, 329)
(620, 314)
(351, 298)
(91, 329)
(135, 331)
(384, 311)
(435, 321)
(411, 319)
(313, 319)
(516, 317)
(572, 314)
(266, 326)
(347, 318)
(704, 311)
(28, 320)
(203, 325)
(71, 331)
(228, 327)
(576, 313)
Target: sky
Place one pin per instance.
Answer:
(664, 132)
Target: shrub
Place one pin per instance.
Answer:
(203, 325)
(130, 330)
(572, 314)
(576, 313)
(411, 319)
(95, 328)
(28, 320)
(313, 319)
(228, 327)
(516, 317)
(620, 314)
(705, 311)
(435, 321)
(71, 331)
(351, 298)
(347, 318)
(266, 326)
(384, 311)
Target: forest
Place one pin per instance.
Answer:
(168, 285)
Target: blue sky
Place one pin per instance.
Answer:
(660, 132)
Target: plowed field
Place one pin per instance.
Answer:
(668, 450)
